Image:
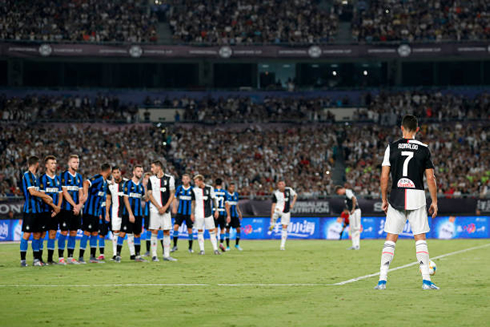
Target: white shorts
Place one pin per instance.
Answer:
(116, 223)
(285, 217)
(158, 221)
(396, 219)
(202, 223)
(355, 221)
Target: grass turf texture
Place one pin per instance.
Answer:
(462, 301)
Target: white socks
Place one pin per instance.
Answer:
(131, 244)
(422, 252)
(212, 237)
(200, 240)
(166, 246)
(114, 243)
(284, 236)
(386, 259)
(356, 239)
(154, 240)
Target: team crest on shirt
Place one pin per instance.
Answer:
(405, 183)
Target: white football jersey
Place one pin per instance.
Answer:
(283, 199)
(117, 204)
(161, 189)
(204, 198)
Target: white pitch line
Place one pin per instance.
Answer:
(245, 284)
(409, 265)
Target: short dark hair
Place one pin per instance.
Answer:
(410, 123)
(157, 163)
(115, 168)
(337, 188)
(105, 167)
(218, 181)
(50, 157)
(137, 166)
(32, 161)
(232, 183)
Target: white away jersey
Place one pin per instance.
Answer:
(117, 202)
(283, 199)
(349, 194)
(408, 160)
(204, 198)
(161, 189)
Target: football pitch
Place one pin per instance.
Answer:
(260, 286)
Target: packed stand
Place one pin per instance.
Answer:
(77, 21)
(66, 108)
(254, 156)
(387, 108)
(252, 21)
(412, 20)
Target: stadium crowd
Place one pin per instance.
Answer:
(81, 108)
(89, 21)
(383, 108)
(252, 155)
(412, 20)
(252, 21)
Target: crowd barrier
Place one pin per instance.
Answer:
(325, 228)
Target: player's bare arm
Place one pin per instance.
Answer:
(69, 199)
(108, 203)
(228, 216)
(216, 205)
(385, 177)
(294, 201)
(155, 203)
(431, 183)
(46, 198)
(193, 207)
(240, 216)
(128, 207)
(175, 205)
(273, 208)
(354, 204)
(170, 200)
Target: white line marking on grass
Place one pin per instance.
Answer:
(245, 284)
(409, 265)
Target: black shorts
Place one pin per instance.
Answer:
(235, 222)
(31, 223)
(129, 227)
(90, 223)
(104, 227)
(181, 218)
(69, 221)
(221, 222)
(46, 221)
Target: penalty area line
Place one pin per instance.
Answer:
(410, 265)
(241, 285)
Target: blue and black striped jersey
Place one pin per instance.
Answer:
(32, 203)
(102, 210)
(96, 193)
(220, 195)
(72, 183)
(134, 192)
(52, 187)
(184, 195)
(232, 200)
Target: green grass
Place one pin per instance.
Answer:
(462, 301)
